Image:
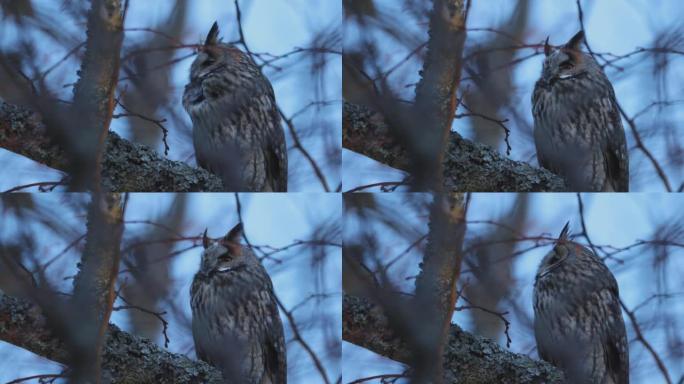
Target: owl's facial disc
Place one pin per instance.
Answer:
(567, 70)
(206, 64)
(563, 64)
(554, 260)
(229, 263)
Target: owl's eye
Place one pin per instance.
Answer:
(225, 257)
(564, 66)
(554, 259)
(209, 61)
(559, 254)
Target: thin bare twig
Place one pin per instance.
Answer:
(500, 315)
(392, 376)
(52, 376)
(298, 145)
(298, 337)
(158, 315)
(40, 185)
(642, 147)
(584, 233)
(642, 339)
(499, 122)
(157, 122)
(386, 186)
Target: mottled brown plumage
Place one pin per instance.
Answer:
(577, 128)
(235, 321)
(236, 125)
(577, 320)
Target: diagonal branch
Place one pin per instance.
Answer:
(468, 166)
(467, 358)
(126, 358)
(126, 166)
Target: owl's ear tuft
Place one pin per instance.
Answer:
(234, 234)
(232, 239)
(205, 240)
(575, 41)
(547, 47)
(212, 36)
(565, 232)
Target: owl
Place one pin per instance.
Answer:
(236, 128)
(577, 128)
(578, 325)
(235, 321)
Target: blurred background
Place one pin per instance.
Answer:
(639, 44)
(297, 46)
(297, 237)
(639, 236)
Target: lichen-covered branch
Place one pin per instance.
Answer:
(467, 166)
(468, 359)
(126, 166)
(94, 284)
(125, 358)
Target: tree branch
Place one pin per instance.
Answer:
(468, 358)
(468, 166)
(126, 166)
(125, 358)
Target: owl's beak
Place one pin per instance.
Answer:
(547, 77)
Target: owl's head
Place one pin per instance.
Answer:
(565, 254)
(567, 62)
(214, 60)
(225, 255)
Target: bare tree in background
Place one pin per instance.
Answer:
(386, 249)
(379, 111)
(40, 314)
(129, 78)
(151, 276)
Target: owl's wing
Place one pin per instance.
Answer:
(616, 157)
(615, 353)
(541, 336)
(547, 153)
(272, 141)
(540, 141)
(275, 356)
(275, 359)
(542, 145)
(199, 337)
(276, 162)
